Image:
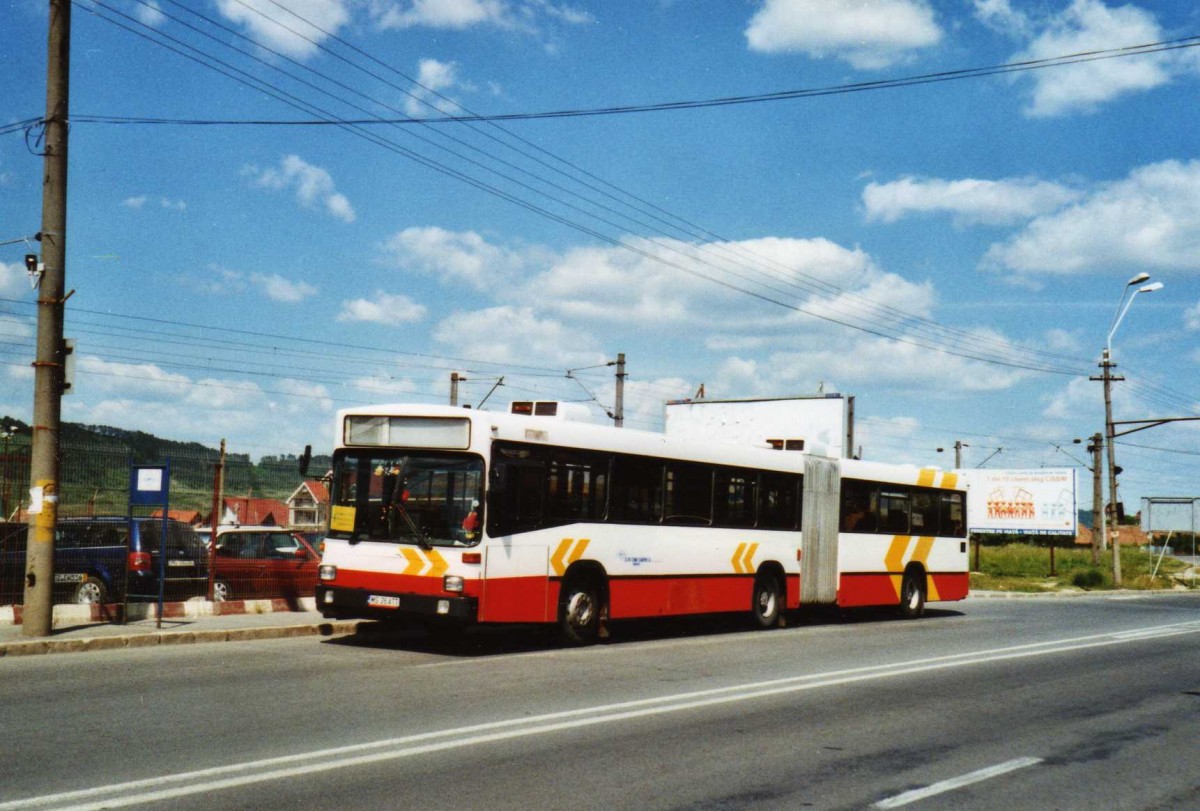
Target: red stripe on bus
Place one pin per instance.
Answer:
(863, 589)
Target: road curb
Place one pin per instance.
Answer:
(146, 639)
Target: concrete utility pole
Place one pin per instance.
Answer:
(48, 367)
(1096, 448)
(619, 405)
(455, 379)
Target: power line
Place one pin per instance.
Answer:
(671, 106)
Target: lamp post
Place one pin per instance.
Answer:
(1107, 364)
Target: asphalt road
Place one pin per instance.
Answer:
(1088, 703)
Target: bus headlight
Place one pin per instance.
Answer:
(327, 572)
(452, 582)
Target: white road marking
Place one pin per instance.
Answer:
(957, 782)
(202, 781)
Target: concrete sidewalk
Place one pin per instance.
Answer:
(77, 629)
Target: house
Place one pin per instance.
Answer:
(191, 517)
(236, 510)
(308, 506)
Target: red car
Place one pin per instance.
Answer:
(263, 563)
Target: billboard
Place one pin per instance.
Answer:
(823, 424)
(1029, 502)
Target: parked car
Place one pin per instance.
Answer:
(100, 560)
(263, 562)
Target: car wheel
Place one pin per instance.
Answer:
(764, 604)
(912, 595)
(221, 592)
(90, 592)
(579, 611)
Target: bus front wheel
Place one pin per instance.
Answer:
(579, 611)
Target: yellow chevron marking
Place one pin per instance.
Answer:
(743, 558)
(926, 477)
(439, 563)
(924, 547)
(415, 562)
(893, 561)
(950, 481)
(931, 592)
(567, 552)
(557, 560)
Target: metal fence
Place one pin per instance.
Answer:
(101, 556)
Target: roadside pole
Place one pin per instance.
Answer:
(48, 367)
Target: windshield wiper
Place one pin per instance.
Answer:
(398, 505)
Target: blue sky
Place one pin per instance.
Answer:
(950, 253)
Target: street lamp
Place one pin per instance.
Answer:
(1107, 365)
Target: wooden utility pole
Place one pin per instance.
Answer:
(48, 367)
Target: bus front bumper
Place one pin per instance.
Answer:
(342, 603)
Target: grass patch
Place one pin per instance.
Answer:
(1026, 568)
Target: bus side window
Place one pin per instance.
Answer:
(952, 510)
(860, 506)
(518, 495)
(636, 490)
(925, 512)
(778, 501)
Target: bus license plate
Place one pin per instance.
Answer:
(381, 601)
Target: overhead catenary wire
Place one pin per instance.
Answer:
(771, 295)
(814, 286)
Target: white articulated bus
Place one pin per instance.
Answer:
(459, 516)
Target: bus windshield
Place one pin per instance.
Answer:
(423, 498)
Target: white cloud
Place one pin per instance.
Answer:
(1191, 317)
(312, 185)
(868, 34)
(866, 360)
(1147, 220)
(134, 202)
(455, 257)
(1089, 25)
(282, 290)
(458, 15)
(1001, 16)
(150, 14)
(434, 80)
(268, 24)
(173, 205)
(13, 277)
(384, 308)
(516, 335)
(969, 201)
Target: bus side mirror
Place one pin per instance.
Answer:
(305, 460)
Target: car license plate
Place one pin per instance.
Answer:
(382, 601)
(180, 563)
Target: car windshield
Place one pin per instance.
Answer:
(428, 499)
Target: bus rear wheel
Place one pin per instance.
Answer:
(579, 611)
(765, 603)
(912, 595)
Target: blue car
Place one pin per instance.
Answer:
(101, 560)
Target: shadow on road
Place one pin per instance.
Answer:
(501, 640)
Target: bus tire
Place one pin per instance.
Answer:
(766, 600)
(579, 610)
(912, 594)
